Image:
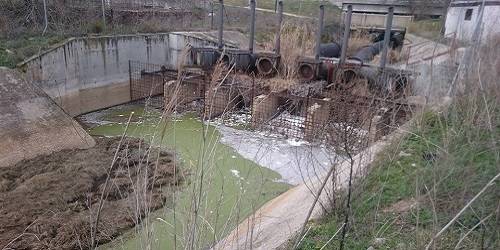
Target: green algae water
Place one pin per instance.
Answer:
(221, 189)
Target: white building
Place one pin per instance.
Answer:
(462, 18)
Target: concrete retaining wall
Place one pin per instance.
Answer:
(31, 123)
(87, 74)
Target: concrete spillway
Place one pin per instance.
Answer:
(31, 123)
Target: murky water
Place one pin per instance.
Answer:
(222, 187)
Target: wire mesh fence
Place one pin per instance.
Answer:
(240, 101)
(147, 81)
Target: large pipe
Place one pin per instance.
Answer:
(347, 30)
(319, 33)
(397, 41)
(387, 37)
(367, 53)
(280, 20)
(252, 25)
(221, 22)
(330, 50)
(393, 83)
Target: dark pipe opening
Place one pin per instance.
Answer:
(225, 59)
(265, 66)
(349, 75)
(306, 72)
(400, 84)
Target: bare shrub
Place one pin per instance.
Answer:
(296, 42)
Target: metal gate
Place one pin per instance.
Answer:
(147, 82)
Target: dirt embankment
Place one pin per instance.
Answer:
(51, 201)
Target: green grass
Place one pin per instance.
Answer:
(443, 163)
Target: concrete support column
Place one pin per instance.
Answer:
(264, 107)
(218, 101)
(376, 125)
(316, 118)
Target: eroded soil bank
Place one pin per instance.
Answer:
(51, 201)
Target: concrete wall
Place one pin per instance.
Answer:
(378, 21)
(455, 21)
(31, 123)
(87, 74)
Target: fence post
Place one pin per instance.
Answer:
(130, 79)
(103, 12)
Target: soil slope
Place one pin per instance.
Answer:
(31, 123)
(51, 201)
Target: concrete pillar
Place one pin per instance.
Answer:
(218, 101)
(316, 118)
(188, 91)
(377, 125)
(264, 107)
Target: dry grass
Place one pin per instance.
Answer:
(296, 42)
(356, 42)
(393, 56)
(277, 84)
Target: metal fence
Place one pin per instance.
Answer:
(331, 117)
(156, 84)
(147, 82)
(304, 112)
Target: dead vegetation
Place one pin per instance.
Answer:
(49, 202)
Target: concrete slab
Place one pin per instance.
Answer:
(31, 123)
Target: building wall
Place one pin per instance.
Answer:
(455, 21)
(87, 74)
